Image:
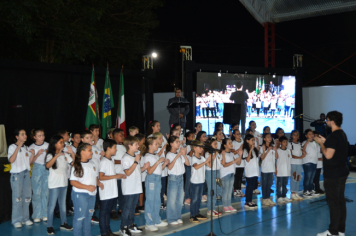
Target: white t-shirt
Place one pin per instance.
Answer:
(59, 177)
(218, 144)
(165, 170)
(283, 162)
(41, 158)
(251, 168)
(312, 153)
(107, 166)
(258, 136)
(320, 155)
(142, 163)
(132, 184)
(229, 157)
(96, 157)
(217, 161)
(99, 144)
(189, 148)
(198, 176)
(69, 167)
(273, 104)
(178, 168)
(152, 159)
(88, 178)
(296, 149)
(22, 161)
(120, 152)
(269, 162)
(236, 145)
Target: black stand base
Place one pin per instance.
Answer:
(211, 234)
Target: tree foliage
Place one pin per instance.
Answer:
(76, 31)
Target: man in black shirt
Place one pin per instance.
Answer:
(240, 97)
(335, 153)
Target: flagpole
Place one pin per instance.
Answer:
(97, 103)
(107, 100)
(119, 100)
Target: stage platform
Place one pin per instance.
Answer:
(307, 217)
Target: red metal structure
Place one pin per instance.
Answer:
(270, 45)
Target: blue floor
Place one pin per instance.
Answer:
(307, 217)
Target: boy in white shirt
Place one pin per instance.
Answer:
(131, 186)
(118, 137)
(87, 137)
(98, 142)
(108, 195)
(283, 156)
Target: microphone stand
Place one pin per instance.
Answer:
(211, 151)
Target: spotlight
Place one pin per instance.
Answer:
(219, 74)
(274, 76)
(154, 55)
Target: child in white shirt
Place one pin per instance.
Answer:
(212, 172)
(283, 156)
(187, 198)
(316, 181)
(197, 180)
(39, 176)
(267, 168)
(310, 162)
(84, 179)
(20, 157)
(296, 164)
(57, 161)
(175, 180)
(131, 186)
(108, 176)
(227, 172)
(250, 155)
(161, 153)
(237, 143)
(153, 183)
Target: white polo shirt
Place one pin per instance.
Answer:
(96, 157)
(120, 152)
(312, 153)
(59, 177)
(178, 168)
(296, 149)
(229, 157)
(99, 144)
(283, 162)
(251, 167)
(22, 161)
(107, 166)
(165, 170)
(152, 159)
(132, 184)
(88, 178)
(41, 158)
(236, 145)
(268, 164)
(198, 176)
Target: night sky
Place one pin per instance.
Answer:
(225, 33)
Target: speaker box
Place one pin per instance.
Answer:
(232, 113)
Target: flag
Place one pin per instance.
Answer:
(108, 103)
(121, 120)
(263, 85)
(256, 85)
(92, 111)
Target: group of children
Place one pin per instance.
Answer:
(135, 172)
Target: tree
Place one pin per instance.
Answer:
(76, 32)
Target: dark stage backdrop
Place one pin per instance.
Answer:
(56, 97)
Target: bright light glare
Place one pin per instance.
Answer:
(154, 55)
